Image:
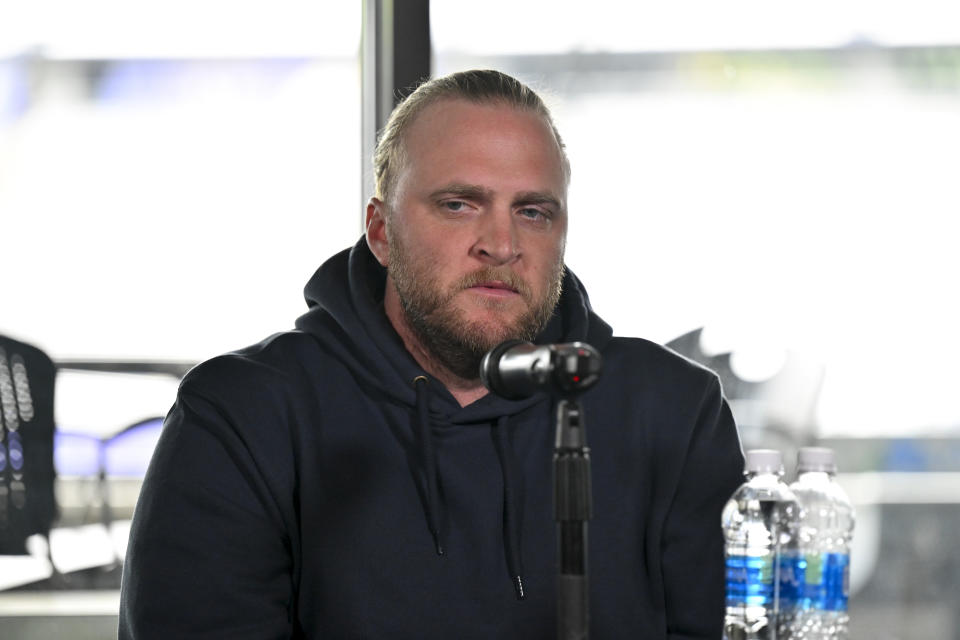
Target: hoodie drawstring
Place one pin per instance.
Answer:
(512, 493)
(429, 460)
(511, 505)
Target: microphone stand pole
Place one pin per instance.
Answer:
(572, 508)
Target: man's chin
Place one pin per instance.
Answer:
(488, 334)
(458, 334)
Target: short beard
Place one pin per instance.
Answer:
(442, 330)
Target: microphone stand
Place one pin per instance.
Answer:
(573, 508)
(516, 369)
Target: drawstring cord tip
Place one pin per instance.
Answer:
(439, 549)
(518, 585)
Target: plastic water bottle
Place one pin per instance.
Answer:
(826, 530)
(759, 526)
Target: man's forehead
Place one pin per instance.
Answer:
(453, 130)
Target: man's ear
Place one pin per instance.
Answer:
(376, 230)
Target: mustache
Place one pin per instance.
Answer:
(491, 274)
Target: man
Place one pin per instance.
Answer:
(354, 479)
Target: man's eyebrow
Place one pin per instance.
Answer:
(477, 192)
(463, 190)
(538, 197)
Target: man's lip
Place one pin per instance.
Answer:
(494, 284)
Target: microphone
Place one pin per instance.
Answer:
(515, 369)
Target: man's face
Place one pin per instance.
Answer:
(476, 230)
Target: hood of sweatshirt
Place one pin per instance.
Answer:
(346, 315)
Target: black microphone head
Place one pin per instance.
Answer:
(515, 369)
(490, 367)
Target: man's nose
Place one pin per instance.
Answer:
(496, 241)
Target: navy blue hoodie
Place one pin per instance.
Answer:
(303, 486)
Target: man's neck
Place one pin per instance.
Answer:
(463, 390)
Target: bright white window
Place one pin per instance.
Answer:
(171, 174)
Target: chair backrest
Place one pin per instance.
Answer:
(27, 502)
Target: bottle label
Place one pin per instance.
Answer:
(827, 583)
(749, 581)
(791, 578)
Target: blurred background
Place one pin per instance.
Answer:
(768, 187)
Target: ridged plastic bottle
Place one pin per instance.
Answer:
(825, 534)
(759, 526)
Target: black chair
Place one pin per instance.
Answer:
(27, 502)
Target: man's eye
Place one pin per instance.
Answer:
(533, 214)
(454, 205)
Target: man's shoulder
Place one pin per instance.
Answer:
(277, 360)
(647, 359)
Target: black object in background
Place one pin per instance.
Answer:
(27, 502)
